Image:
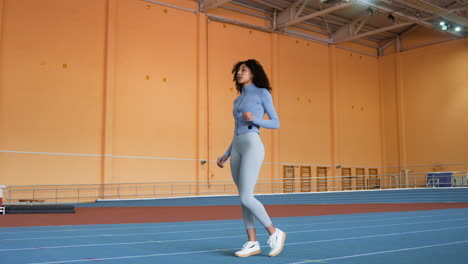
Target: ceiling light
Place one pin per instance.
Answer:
(442, 23)
(391, 18)
(458, 29)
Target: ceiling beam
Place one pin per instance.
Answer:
(291, 16)
(206, 5)
(387, 44)
(237, 23)
(415, 20)
(409, 30)
(335, 22)
(436, 10)
(349, 30)
(392, 27)
(333, 18)
(307, 36)
(265, 3)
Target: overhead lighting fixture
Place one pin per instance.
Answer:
(391, 18)
(418, 14)
(449, 26)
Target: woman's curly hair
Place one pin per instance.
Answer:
(260, 79)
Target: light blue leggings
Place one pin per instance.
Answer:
(246, 159)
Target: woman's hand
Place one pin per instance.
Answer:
(248, 116)
(221, 161)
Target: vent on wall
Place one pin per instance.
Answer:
(360, 179)
(321, 179)
(288, 182)
(346, 178)
(305, 179)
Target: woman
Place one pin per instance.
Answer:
(247, 152)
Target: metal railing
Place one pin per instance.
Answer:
(80, 193)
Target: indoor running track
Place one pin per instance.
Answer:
(433, 236)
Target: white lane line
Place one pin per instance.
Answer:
(209, 238)
(227, 249)
(117, 244)
(380, 235)
(224, 224)
(236, 228)
(293, 219)
(383, 252)
(137, 256)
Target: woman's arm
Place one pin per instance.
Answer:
(228, 152)
(221, 160)
(267, 102)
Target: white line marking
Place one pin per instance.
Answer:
(146, 227)
(235, 228)
(116, 244)
(212, 250)
(380, 235)
(279, 163)
(129, 257)
(178, 240)
(383, 252)
(209, 238)
(94, 155)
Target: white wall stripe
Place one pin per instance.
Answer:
(188, 159)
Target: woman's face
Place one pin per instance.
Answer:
(244, 75)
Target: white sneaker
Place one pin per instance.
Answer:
(248, 249)
(276, 242)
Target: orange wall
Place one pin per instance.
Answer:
(154, 111)
(146, 94)
(52, 68)
(359, 109)
(425, 94)
(304, 100)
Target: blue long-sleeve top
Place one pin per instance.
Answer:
(258, 101)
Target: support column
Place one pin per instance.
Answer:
(109, 91)
(383, 148)
(275, 139)
(335, 121)
(202, 164)
(400, 109)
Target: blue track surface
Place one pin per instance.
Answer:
(430, 195)
(435, 236)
